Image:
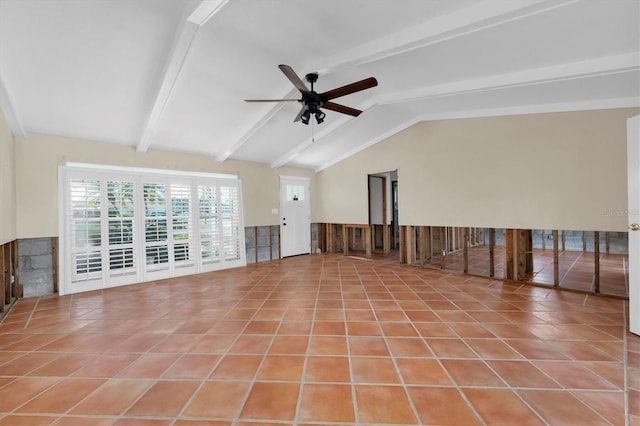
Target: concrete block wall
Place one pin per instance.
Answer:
(258, 246)
(35, 257)
(315, 243)
(275, 242)
(259, 237)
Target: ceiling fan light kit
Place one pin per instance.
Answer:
(312, 101)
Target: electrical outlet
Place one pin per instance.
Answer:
(274, 211)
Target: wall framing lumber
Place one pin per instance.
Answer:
(403, 245)
(422, 245)
(556, 261)
(345, 240)
(54, 255)
(443, 247)
(465, 250)
(596, 261)
(492, 247)
(6, 271)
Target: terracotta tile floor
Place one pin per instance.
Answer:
(320, 340)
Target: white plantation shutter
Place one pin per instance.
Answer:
(121, 224)
(182, 226)
(120, 229)
(209, 224)
(230, 222)
(85, 232)
(156, 244)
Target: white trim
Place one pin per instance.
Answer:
(62, 224)
(205, 11)
(493, 112)
(295, 178)
(306, 205)
(392, 131)
(140, 270)
(253, 127)
(175, 63)
(633, 160)
(7, 104)
(477, 17)
(324, 132)
(145, 170)
(480, 16)
(617, 64)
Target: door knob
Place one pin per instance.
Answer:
(634, 227)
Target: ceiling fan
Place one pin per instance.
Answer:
(312, 101)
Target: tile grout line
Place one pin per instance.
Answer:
(354, 395)
(393, 356)
(562, 387)
(202, 381)
(252, 382)
(445, 370)
(484, 361)
(625, 342)
(411, 287)
(307, 352)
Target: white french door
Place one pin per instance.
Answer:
(295, 211)
(118, 229)
(633, 172)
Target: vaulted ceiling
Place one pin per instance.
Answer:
(172, 75)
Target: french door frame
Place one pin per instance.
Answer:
(141, 271)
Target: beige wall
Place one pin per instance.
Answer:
(38, 158)
(7, 183)
(538, 171)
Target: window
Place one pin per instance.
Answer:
(295, 192)
(119, 228)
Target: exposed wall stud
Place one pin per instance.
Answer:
(465, 250)
(596, 261)
(6, 272)
(54, 256)
(368, 246)
(345, 240)
(403, 245)
(556, 262)
(492, 244)
(443, 247)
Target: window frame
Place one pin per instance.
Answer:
(191, 260)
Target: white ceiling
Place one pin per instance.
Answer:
(172, 75)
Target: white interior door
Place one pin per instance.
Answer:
(295, 221)
(633, 172)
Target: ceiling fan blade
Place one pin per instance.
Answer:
(271, 100)
(341, 108)
(299, 116)
(293, 78)
(367, 83)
